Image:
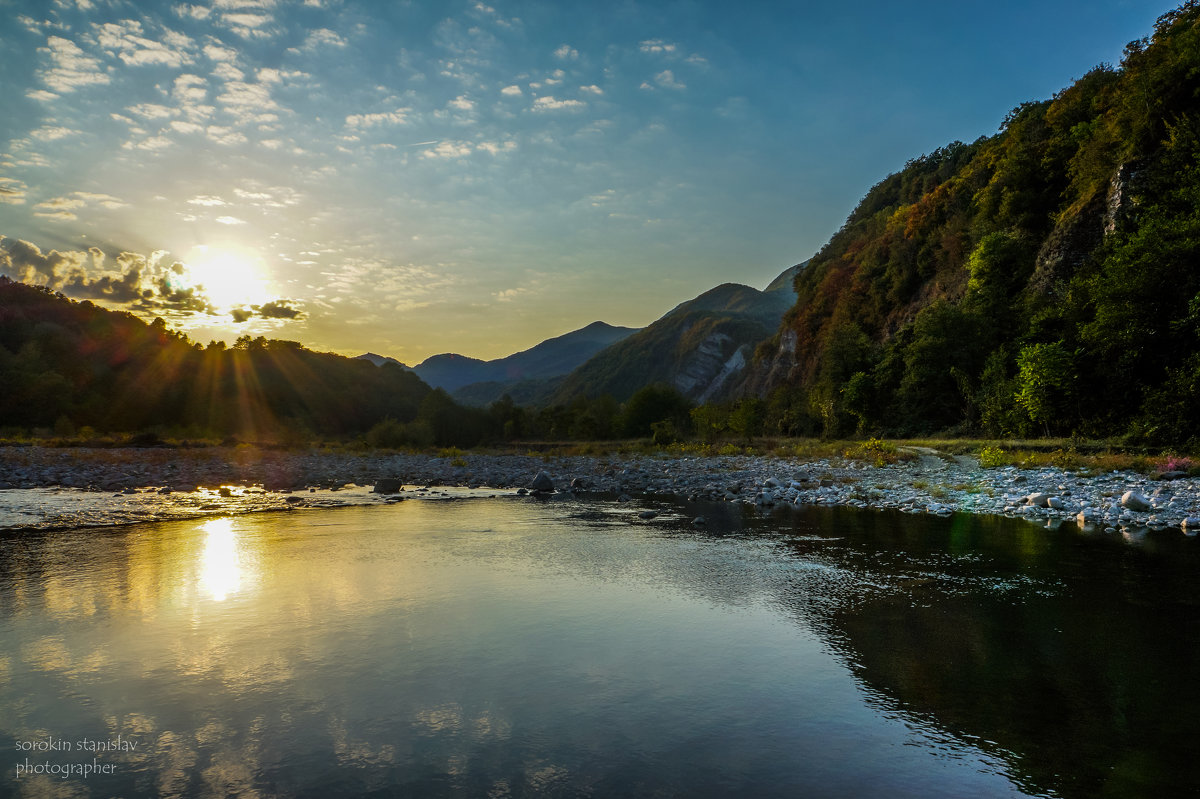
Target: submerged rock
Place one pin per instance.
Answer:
(388, 485)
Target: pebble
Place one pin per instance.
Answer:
(1110, 500)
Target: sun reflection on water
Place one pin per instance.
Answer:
(220, 562)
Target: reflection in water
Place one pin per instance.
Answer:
(517, 648)
(220, 566)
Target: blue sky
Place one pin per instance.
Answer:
(421, 177)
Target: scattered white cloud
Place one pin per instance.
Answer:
(249, 26)
(70, 67)
(495, 148)
(227, 71)
(105, 200)
(52, 133)
(152, 143)
(248, 101)
(216, 52)
(323, 37)
(224, 135)
(190, 89)
(230, 220)
(511, 91)
(592, 89)
(397, 117)
(566, 53)
(61, 216)
(12, 191)
(128, 40)
(508, 295)
(448, 149)
(193, 12)
(657, 47)
(152, 111)
(206, 200)
(462, 103)
(667, 80)
(549, 103)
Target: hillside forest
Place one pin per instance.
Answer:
(1044, 280)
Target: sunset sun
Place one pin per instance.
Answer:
(229, 277)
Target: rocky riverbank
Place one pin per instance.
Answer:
(931, 483)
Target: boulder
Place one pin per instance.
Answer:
(388, 485)
(1135, 501)
(543, 482)
(1038, 500)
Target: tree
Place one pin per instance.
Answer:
(1044, 382)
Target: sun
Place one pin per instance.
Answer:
(229, 277)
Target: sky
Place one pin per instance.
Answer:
(412, 178)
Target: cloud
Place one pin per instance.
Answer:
(592, 89)
(511, 91)
(496, 148)
(227, 137)
(322, 37)
(462, 103)
(152, 111)
(152, 143)
(549, 103)
(508, 295)
(657, 47)
(207, 200)
(139, 282)
(666, 79)
(275, 309)
(106, 200)
(448, 149)
(249, 26)
(216, 52)
(397, 117)
(566, 53)
(70, 67)
(128, 40)
(193, 12)
(278, 309)
(248, 102)
(230, 220)
(227, 71)
(12, 191)
(60, 208)
(48, 133)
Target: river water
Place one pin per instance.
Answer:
(512, 647)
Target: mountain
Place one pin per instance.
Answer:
(1043, 280)
(696, 347)
(549, 359)
(379, 360)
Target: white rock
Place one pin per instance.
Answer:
(1135, 501)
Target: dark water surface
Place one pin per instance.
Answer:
(506, 648)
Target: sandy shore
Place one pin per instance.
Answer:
(932, 483)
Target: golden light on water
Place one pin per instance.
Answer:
(220, 562)
(228, 276)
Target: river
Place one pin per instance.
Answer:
(510, 647)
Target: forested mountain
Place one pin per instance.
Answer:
(695, 348)
(1042, 280)
(70, 364)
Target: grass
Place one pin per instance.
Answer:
(1087, 457)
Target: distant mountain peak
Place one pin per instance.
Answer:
(378, 360)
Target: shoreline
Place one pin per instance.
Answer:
(931, 483)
